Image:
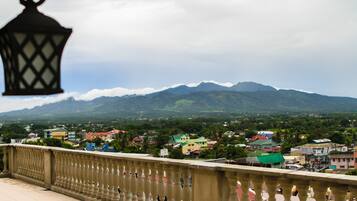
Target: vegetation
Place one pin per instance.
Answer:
(291, 130)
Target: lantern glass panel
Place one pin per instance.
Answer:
(31, 47)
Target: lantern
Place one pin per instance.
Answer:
(31, 47)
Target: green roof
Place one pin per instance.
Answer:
(271, 158)
(177, 138)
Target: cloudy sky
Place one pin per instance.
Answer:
(139, 46)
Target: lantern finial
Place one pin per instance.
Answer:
(31, 3)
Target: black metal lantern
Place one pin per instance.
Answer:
(31, 47)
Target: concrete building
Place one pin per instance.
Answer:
(56, 133)
(72, 136)
(194, 145)
(342, 160)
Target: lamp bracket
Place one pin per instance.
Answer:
(31, 3)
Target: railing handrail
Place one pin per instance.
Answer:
(196, 164)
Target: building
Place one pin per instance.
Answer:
(56, 133)
(194, 145)
(72, 136)
(319, 149)
(105, 136)
(258, 137)
(178, 139)
(317, 154)
(342, 160)
(189, 145)
(32, 135)
(265, 145)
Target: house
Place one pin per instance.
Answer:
(265, 145)
(56, 133)
(194, 145)
(318, 152)
(72, 136)
(188, 145)
(105, 136)
(178, 139)
(342, 160)
(258, 137)
(32, 135)
(321, 149)
(138, 140)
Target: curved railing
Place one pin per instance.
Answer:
(110, 176)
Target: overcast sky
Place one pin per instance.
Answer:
(145, 45)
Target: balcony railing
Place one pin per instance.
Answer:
(104, 176)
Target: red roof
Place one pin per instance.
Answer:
(258, 137)
(93, 135)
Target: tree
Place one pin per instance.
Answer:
(176, 154)
(52, 142)
(338, 137)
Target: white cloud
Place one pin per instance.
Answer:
(95, 93)
(17, 103)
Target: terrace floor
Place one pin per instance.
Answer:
(16, 190)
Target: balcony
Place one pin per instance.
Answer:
(104, 176)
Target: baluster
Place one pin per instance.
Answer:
(129, 175)
(353, 191)
(67, 171)
(82, 173)
(147, 181)
(111, 180)
(232, 186)
(319, 189)
(286, 185)
(339, 191)
(166, 181)
(75, 172)
(60, 161)
(122, 181)
(244, 184)
(57, 169)
(160, 182)
(134, 180)
(92, 177)
(302, 187)
(171, 187)
(186, 184)
(271, 184)
(101, 181)
(116, 180)
(257, 183)
(178, 191)
(72, 172)
(140, 183)
(155, 183)
(97, 175)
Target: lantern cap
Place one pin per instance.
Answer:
(31, 20)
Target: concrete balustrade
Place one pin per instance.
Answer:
(110, 176)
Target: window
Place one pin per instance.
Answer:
(342, 167)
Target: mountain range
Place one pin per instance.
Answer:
(203, 100)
